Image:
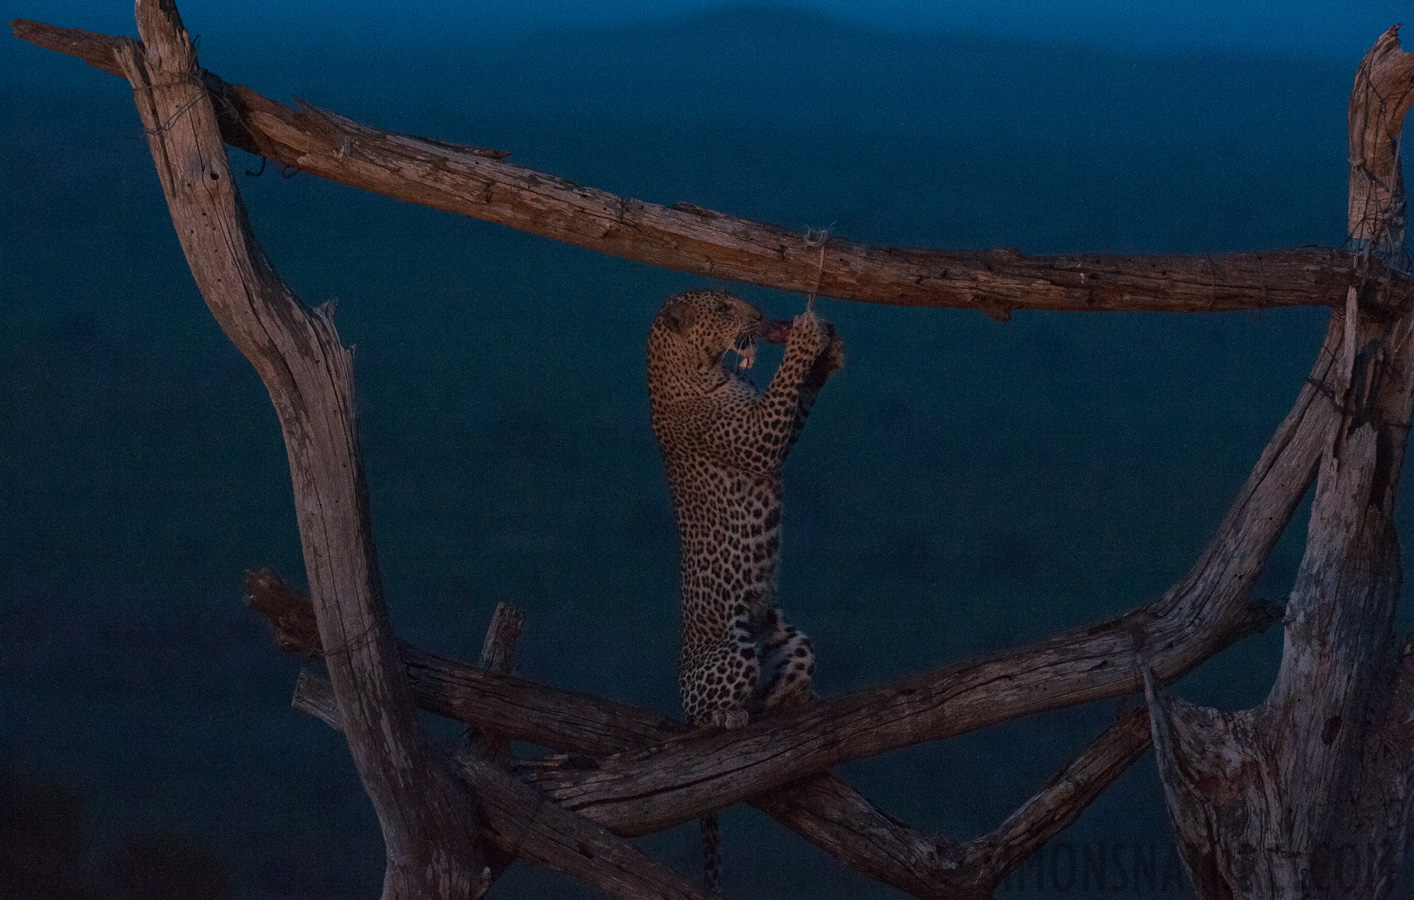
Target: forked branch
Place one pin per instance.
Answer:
(647, 774)
(522, 823)
(822, 809)
(1322, 767)
(684, 777)
(1207, 610)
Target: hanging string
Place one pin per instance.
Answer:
(812, 239)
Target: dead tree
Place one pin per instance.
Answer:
(1264, 801)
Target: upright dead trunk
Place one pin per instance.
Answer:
(1307, 794)
(429, 826)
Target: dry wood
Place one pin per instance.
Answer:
(519, 709)
(496, 651)
(522, 823)
(1307, 796)
(1383, 817)
(1027, 829)
(821, 809)
(934, 867)
(473, 181)
(429, 826)
(1206, 611)
(1378, 104)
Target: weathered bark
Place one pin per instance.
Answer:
(522, 823)
(429, 826)
(937, 868)
(488, 744)
(821, 808)
(685, 777)
(474, 181)
(496, 651)
(1383, 814)
(1307, 795)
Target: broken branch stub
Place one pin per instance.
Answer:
(1357, 417)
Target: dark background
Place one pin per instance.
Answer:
(964, 486)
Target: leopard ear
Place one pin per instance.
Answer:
(678, 315)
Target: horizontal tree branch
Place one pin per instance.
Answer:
(522, 823)
(821, 808)
(518, 709)
(476, 182)
(837, 819)
(645, 789)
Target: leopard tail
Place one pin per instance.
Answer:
(711, 852)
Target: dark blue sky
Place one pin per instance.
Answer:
(1304, 28)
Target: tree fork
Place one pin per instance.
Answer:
(522, 823)
(1307, 795)
(823, 810)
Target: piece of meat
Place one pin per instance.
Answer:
(775, 331)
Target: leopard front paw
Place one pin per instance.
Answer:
(809, 334)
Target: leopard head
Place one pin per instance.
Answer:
(699, 327)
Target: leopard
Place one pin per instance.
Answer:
(723, 445)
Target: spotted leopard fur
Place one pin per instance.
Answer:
(723, 445)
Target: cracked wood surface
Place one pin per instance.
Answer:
(522, 824)
(642, 789)
(429, 828)
(1308, 794)
(822, 809)
(477, 182)
(678, 780)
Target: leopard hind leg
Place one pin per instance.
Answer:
(718, 681)
(788, 667)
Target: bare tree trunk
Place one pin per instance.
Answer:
(429, 827)
(1307, 794)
